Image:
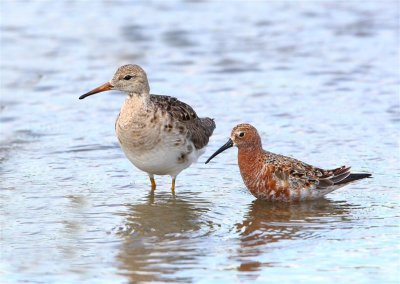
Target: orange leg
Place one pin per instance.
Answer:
(173, 185)
(153, 183)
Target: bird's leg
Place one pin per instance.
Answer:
(153, 182)
(151, 197)
(173, 185)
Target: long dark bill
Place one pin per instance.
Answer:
(105, 87)
(227, 145)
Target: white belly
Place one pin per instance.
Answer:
(163, 159)
(153, 142)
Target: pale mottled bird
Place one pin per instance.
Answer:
(278, 178)
(160, 135)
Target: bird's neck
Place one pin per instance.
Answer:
(249, 153)
(133, 110)
(251, 163)
(249, 157)
(139, 100)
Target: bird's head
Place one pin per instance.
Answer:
(242, 136)
(128, 78)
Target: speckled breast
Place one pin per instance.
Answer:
(261, 180)
(154, 147)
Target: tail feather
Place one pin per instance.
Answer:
(353, 177)
(208, 124)
(338, 178)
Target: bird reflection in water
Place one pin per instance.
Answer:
(266, 223)
(161, 235)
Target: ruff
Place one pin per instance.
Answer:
(160, 135)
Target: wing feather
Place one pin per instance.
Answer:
(300, 174)
(198, 129)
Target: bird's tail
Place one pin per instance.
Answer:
(353, 177)
(208, 124)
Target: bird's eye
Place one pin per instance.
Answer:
(241, 134)
(128, 77)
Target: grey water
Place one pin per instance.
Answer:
(319, 79)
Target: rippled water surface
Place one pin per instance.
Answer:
(319, 79)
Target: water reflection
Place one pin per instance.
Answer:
(159, 236)
(234, 67)
(267, 223)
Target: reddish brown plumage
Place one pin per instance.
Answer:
(259, 177)
(275, 177)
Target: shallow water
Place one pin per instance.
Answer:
(320, 80)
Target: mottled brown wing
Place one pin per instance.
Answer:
(199, 129)
(177, 109)
(304, 174)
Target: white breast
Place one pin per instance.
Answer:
(163, 159)
(157, 151)
(153, 141)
